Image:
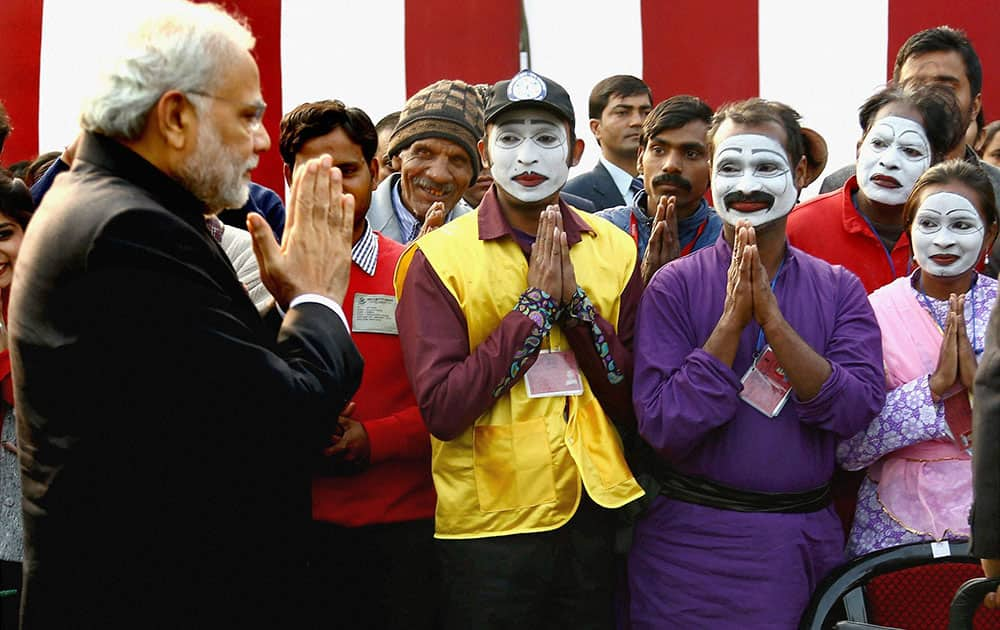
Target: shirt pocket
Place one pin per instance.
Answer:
(513, 465)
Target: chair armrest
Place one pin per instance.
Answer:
(967, 599)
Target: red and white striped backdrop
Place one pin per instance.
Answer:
(823, 58)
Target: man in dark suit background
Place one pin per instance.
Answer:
(618, 105)
(165, 427)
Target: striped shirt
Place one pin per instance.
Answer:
(364, 253)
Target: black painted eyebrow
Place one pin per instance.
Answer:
(756, 151)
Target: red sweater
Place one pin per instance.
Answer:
(831, 228)
(397, 485)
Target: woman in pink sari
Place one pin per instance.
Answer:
(919, 481)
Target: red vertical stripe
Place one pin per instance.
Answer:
(475, 41)
(21, 34)
(264, 19)
(978, 19)
(689, 48)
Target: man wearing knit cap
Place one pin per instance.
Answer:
(522, 375)
(433, 148)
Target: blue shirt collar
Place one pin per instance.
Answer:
(408, 223)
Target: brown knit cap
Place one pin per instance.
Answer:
(452, 110)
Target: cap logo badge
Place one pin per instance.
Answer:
(526, 86)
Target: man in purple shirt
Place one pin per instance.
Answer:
(752, 360)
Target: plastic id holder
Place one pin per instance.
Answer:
(554, 373)
(765, 386)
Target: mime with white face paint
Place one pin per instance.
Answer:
(934, 324)
(860, 226)
(752, 359)
(516, 323)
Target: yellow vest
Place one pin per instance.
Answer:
(518, 468)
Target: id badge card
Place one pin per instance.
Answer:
(554, 373)
(765, 386)
(374, 313)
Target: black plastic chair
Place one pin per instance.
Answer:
(918, 579)
(967, 600)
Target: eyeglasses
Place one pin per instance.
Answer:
(253, 113)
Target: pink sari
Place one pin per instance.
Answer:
(926, 487)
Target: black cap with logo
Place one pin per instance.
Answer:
(529, 89)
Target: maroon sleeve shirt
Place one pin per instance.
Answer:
(454, 386)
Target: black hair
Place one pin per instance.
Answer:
(15, 199)
(622, 85)
(972, 175)
(988, 132)
(943, 38)
(674, 113)
(5, 127)
(758, 111)
(942, 118)
(312, 120)
(388, 122)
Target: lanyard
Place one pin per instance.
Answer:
(633, 225)
(690, 246)
(925, 302)
(774, 283)
(888, 254)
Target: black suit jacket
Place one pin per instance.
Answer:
(166, 429)
(597, 186)
(985, 518)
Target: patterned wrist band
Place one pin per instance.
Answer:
(542, 310)
(581, 311)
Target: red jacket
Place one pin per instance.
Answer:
(397, 485)
(831, 228)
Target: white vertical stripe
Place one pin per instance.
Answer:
(352, 51)
(69, 60)
(824, 59)
(579, 42)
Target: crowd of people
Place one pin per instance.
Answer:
(447, 386)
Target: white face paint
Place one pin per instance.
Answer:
(892, 157)
(752, 180)
(947, 234)
(528, 148)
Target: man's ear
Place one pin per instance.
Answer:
(977, 104)
(638, 159)
(395, 163)
(484, 154)
(373, 167)
(800, 173)
(176, 119)
(577, 152)
(595, 128)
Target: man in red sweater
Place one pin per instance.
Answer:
(372, 558)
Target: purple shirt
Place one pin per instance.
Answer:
(704, 567)
(687, 401)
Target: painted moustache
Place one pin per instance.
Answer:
(748, 202)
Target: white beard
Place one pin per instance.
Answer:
(214, 175)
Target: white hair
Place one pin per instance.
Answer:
(177, 46)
